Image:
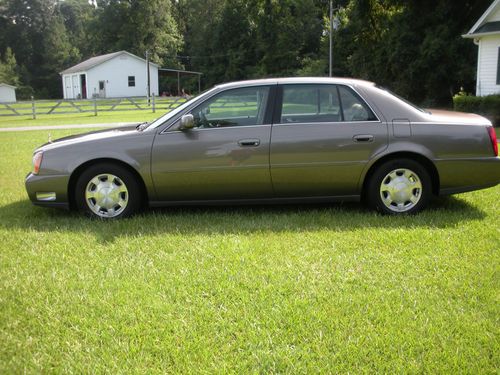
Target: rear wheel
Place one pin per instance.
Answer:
(107, 191)
(400, 186)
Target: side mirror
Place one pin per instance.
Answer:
(187, 122)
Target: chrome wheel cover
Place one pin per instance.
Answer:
(401, 190)
(106, 195)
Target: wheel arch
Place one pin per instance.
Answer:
(82, 167)
(419, 158)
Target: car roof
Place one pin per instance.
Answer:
(302, 80)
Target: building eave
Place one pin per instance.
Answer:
(479, 35)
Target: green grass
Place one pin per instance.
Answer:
(278, 289)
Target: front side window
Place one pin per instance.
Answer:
(237, 107)
(322, 103)
(131, 81)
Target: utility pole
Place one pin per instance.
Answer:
(149, 77)
(331, 32)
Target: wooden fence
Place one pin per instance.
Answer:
(53, 107)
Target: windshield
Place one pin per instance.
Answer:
(167, 116)
(402, 99)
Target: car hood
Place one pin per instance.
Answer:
(451, 117)
(88, 137)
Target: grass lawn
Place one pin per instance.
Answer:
(279, 289)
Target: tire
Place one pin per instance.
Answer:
(107, 191)
(399, 186)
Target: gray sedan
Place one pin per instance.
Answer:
(273, 140)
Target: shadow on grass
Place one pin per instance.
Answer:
(442, 213)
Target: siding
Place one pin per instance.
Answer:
(495, 16)
(488, 66)
(115, 73)
(7, 94)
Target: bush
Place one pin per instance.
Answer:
(487, 106)
(24, 92)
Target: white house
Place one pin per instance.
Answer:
(7, 93)
(115, 75)
(486, 35)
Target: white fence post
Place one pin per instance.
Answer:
(33, 109)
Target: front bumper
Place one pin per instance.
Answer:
(48, 190)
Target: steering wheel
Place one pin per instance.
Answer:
(204, 121)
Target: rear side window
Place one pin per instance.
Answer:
(322, 103)
(354, 108)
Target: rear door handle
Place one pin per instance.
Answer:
(363, 138)
(249, 142)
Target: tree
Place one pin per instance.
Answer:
(413, 47)
(35, 31)
(8, 71)
(137, 26)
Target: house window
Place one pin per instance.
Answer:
(498, 67)
(131, 81)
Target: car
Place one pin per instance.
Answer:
(281, 140)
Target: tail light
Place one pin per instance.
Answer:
(493, 139)
(37, 161)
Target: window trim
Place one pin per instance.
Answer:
(279, 105)
(131, 81)
(170, 125)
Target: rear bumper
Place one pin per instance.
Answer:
(462, 175)
(48, 191)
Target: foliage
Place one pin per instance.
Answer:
(24, 92)
(488, 106)
(413, 47)
(136, 26)
(8, 71)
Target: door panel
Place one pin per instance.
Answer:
(212, 163)
(226, 155)
(325, 156)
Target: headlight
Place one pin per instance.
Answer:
(37, 161)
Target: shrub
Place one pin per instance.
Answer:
(24, 92)
(487, 106)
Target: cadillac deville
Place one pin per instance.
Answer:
(273, 140)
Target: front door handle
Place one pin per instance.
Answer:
(249, 142)
(363, 138)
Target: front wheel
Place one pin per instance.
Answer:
(107, 191)
(400, 186)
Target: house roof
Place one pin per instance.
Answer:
(483, 26)
(7, 85)
(97, 60)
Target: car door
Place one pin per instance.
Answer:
(226, 154)
(323, 136)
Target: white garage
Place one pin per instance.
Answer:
(115, 75)
(7, 93)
